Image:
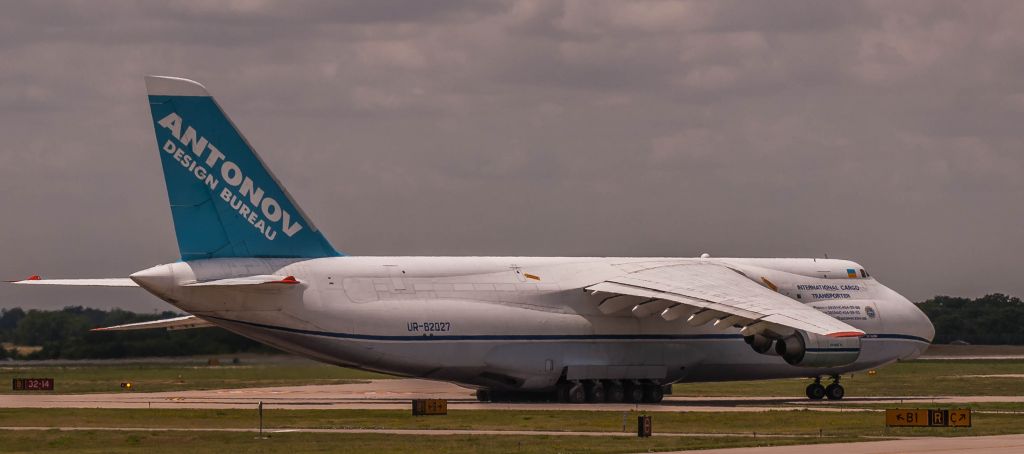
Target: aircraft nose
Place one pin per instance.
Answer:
(922, 323)
(908, 320)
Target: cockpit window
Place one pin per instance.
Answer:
(863, 273)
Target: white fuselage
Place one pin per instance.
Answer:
(522, 322)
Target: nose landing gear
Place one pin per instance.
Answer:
(834, 391)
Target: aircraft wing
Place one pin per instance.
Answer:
(105, 282)
(260, 280)
(713, 293)
(186, 322)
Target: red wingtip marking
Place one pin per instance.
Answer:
(846, 334)
(33, 277)
(288, 280)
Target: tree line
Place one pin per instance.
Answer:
(994, 319)
(65, 334)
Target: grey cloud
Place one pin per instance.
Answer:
(883, 132)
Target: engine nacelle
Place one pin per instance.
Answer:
(759, 342)
(812, 350)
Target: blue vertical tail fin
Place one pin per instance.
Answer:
(225, 202)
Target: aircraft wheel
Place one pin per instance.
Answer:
(499, 396)
(483, 395)
(595, 392)
(577, 395)
(634, 392)
(653, 393)
(815, 391)
(613, 392)
(562, 392)
(835, 391)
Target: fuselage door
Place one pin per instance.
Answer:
(396, 274)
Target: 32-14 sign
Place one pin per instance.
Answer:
(32, 384)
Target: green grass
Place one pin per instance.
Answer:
(918, 378)
(913, 378)
(187, 375)
(976, 406)
(776, 422)
(218, 442)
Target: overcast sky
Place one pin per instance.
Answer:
(889, 133)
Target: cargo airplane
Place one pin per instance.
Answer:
(576, 329)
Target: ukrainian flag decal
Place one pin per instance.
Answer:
(851, 273)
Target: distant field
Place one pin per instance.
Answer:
(999, 377)
(779, 423)
(36, 441)
(185, 374)
(913, 378)
(706, 430)
(973, 350)
(715, 429)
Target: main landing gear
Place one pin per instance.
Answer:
(834, 391)
(583, 391)
(599, 391)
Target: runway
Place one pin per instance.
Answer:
(396, 394)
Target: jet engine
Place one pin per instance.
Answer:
(760, 343)
(812, 350)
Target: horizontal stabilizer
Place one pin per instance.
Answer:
(171, 324)
(105, 282)
(267, 280)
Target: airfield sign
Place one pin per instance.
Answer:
(900, 417)
(960, 417)
(425, 407)
(32, 384)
